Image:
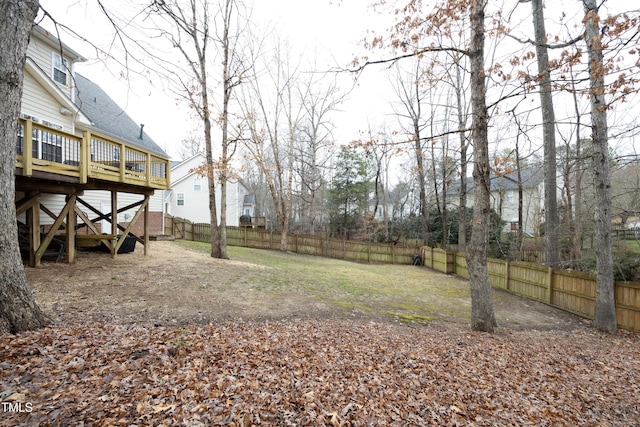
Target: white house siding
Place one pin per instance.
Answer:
(196, 202)
(185, 168)
(42, 54)
(37, 102)
(530, 208)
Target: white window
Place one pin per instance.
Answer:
(197, 184)
(180, 199)
(508, 197)
(51, 147)
(59, 69)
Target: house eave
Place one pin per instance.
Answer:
(41, 77)
(49, 39)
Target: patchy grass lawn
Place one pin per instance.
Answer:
(273, 339)
(406, 293)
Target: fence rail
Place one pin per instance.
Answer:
(568, 290)
(299, 243)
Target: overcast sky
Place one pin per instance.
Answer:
(329, 31)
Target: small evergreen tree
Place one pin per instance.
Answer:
(350, 192)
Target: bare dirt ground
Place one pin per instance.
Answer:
(176, 286)
(180, 339)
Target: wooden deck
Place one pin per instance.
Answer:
(93, 160)
(51, 161)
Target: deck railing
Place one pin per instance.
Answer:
(92, 156)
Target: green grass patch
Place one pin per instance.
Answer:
(633, 246)
(407, 292)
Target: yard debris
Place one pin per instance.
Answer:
(317, 373)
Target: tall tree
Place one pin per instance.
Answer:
(195, 24)
(18, 309)
(233, 68)
(408, 32)
(272, 117)
(320, 99)
(408, 88)
(551, 221)
(190, 35)
(482, 314)
(605, 313)
(462, 125)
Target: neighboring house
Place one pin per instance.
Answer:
(380, 209)
(189, 197)
(79, 156)
(504, 198)
(249, 206)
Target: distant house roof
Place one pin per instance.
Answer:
(107, 117)
(532, 177)
(249, 199)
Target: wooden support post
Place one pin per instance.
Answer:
(71, 230)
(85, 156)
(146, 224)
(56, 225)
(27, 149)
(33, 223)
(148, 169)
(114, 221)
(123, 162)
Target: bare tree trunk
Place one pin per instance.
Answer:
(424, 208)
(605, 313)
(549, 139)
(18, 309)
(227, 88)
(462, 123)
(211, 178)
(482, 314)
(577, 229)
(192, 19)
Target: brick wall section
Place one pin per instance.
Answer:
(155, 224)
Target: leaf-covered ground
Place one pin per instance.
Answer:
(316, 373)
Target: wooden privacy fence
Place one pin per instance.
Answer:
(568, 290)
(299, 243)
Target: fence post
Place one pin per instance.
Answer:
(455, 262)
(549, 282)
(507, 268)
